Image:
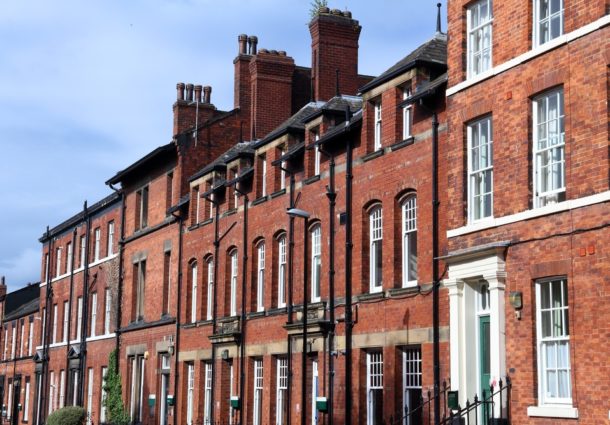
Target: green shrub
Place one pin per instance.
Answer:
(69, 415)
(115, 409)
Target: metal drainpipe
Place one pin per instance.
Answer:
(120, 278)
(42, 405)
(348, 283)
(304, 351)
(215, 260)
(178, 310)
(69, 330)
(289, 309)
(83, 329)
(331, 194)
(435, 253)
(244, 268)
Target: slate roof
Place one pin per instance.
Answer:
(156, 153)
(425, 90)
(432, 52)
(235, 151)
(77, 218)
(22, 302)
(296, 122)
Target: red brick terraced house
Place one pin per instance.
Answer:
(337, 246)
(19, 312)
(527, 205)
(79, 299)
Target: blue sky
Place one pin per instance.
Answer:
(86, 88)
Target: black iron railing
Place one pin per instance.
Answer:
(493, 408)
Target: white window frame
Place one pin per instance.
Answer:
(257, 405)
(103, 395)
(58, 262)
(69, 255)
(483, 29)
(231, 394)
(14, 341)
(107, 310)
(234, 266)
(282, 170)
(480, 166)
(197, 204)
(4, 352)
(281, 389)
(316, 262)
(140, 289)
(30, 338)
(97, 244)
(79, 318)
(540, 20)
(315, 381)
(411, 377)
(554, 143)
(263, 158)
(9, 408)
(62, 388)
(26, 402)
(193, 270)
(281, 272)
(316, 155)
(374, 382)
(83, 248)
(210, 303)
(93, 323)
(407, 115)
(90, 396)
(375, 248)
(54, 335)
(554, 341)
(110, 243)
(377, 125)
(207, 401)
(22, 335)
(260, 277)
(409, 234)
(51, 393)
(66, 321)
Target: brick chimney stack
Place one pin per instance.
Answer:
(191, 107)
(271, 76)
(2, 289)
(334, 46)
(241, 87)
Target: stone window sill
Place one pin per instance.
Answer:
(553, 412)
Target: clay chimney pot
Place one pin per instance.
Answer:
(180, 91)
(189, 92)
(242, 40)
(198, 93)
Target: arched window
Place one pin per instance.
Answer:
(193, 276)
(316, 262)
(282, 270)
(260, 277)
(210, 288)
(375, 248)
(409, 241)
(233, 283)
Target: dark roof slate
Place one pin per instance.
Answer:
(296, 123)
(156, 153)
(433, 51)
(241, 148)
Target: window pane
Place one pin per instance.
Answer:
(546, 324)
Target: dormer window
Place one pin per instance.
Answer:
(377, 134)
(316, 159)
(407, 114)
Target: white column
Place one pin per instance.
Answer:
(497, 330)
(456, 292)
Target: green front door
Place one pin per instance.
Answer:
(484, 366)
